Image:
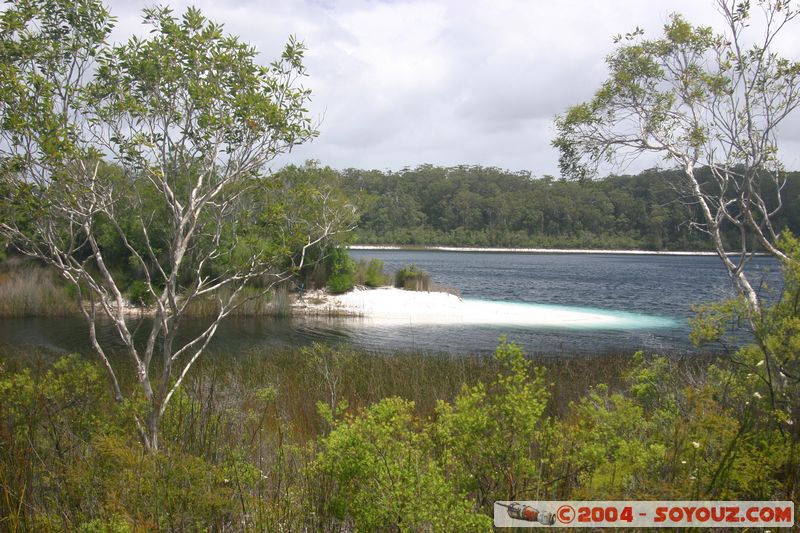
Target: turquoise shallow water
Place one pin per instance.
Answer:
(563, 317)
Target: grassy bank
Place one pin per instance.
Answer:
(27, 289)
(325, 439)
(251, 301)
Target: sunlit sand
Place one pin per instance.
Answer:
(389, 305)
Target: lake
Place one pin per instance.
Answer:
(657, 286)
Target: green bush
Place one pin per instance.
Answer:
(493, 438)
(413, 278)
(386, 477)
(245, 449)
(139, 295)
(342, 271)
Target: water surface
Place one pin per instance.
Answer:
(654, 293)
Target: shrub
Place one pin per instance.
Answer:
(139, 295)
(342, 271)
(413, 278)
(493, 438)
(339, 283)
(386, 478)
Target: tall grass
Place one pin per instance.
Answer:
(413, 278)
(371, 273)
(251, 301)
(31, 290)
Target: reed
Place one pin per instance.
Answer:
(251, 301)
(31, 290)
(371, 273)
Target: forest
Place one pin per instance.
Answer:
(486, 206)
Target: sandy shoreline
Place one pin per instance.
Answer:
(367, 247)
(388, 306)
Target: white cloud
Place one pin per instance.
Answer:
(407, 82)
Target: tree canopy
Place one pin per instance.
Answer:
(481, 206)
(154, 151)
(700, 99)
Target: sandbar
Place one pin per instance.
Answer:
(388, 305)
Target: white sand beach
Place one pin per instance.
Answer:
(387, 305)
(389, 247)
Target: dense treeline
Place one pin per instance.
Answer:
(459, 206)
(480, 206)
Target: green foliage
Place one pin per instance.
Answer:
(700, 100)
(674, 435)
(771, 364)
(412, 278)
(384, 475)
(493, 438)
(713, 321)
(141, 168)
(284, 210)
(661, 80)
(231, 97)
(490, 443)
(47, 417)
(114, 524)
(43, 42)
(612, 444)
(341, 270)
(139, 295)
(371, 273)
(244, 445)
(778, 332)
(165, 492)
(490, 207)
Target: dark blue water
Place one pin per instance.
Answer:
(654, 285)
(661, 286)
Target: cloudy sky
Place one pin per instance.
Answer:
(406, 82)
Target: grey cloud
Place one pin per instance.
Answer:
(442, 81)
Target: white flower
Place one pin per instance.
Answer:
(695, 444)
(692, 477)
(757, 395)
(683, 462)
(760, 363)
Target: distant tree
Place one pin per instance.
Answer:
(700, 99)
(189, 121)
